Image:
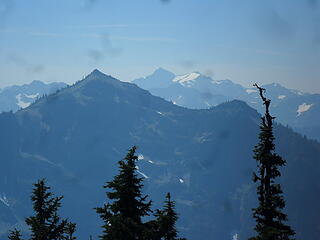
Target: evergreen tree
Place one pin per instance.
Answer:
(122, 216)
(270, 220)
(166, 220)
(46, 223)
(15, 235)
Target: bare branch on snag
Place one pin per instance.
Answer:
(266, 102)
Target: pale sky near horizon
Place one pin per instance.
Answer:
(243, 40)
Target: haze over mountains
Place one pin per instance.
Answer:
(299, 110)
(75, 137)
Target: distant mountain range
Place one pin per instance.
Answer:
(299, 110)
(15, 97)
(75, 136)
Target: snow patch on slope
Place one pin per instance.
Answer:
(4, 200)
(249, 91)
(187, 79)
(235, 236)
(282, 97)
(32, 95)
(143, 175)
(21, 103)
(297, 92)
(303, 108)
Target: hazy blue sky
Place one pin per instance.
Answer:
(243, 40)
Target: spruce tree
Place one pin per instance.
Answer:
(122, 216)
(166, 220)
(270, 219)
(46, 223)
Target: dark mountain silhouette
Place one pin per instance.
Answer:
(75, 137)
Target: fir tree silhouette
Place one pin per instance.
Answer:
(122, 216)
(166, 220)
(46, 224)
(270, 220)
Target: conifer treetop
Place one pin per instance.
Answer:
(122, 215)
(270, 219)
(46, 224)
